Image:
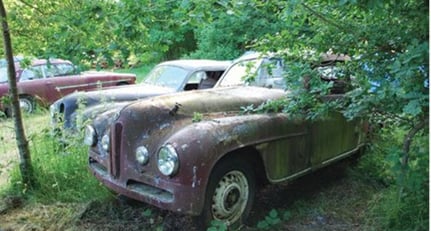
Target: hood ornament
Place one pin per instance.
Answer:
(175, 109)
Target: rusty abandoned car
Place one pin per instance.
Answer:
(44, 81)
(195, 152)
(166, 77)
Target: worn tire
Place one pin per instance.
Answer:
(230, 180)
(27, 104)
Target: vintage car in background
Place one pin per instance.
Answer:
(166, 77)
(44, 81)
(3, 62)
(197, 153)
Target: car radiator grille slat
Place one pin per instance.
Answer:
(115, 149)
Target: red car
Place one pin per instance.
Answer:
(45, 81)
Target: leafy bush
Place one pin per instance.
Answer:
(403, 205)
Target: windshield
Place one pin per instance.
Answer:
(166, 76)
(3, 74)
(240, 72)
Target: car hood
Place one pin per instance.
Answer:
(149, 121)
(207, 101)
(129, 92)
(69, 104)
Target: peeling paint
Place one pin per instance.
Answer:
(157, 180)
(165, 125)
(184, 147)
(194, 176)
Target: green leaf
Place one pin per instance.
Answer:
(413, 108)
(273, 213)
(262, 225)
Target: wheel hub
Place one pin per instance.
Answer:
(25, 105)
(230, 197)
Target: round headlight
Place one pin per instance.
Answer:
(168, 160)
(105, 142)
(90, 137)
(142, 155)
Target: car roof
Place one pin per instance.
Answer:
(36, 62)
(326, 57)
(198, 64)
(44, 61)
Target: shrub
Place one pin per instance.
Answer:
(404, 203)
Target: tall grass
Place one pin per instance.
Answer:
(60, 170)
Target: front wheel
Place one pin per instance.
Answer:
(27, 104)
(230, 193)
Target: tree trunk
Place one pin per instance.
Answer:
(24, 152)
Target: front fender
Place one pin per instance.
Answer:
(201, 145)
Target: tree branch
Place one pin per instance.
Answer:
(325, 19)
(408, 140)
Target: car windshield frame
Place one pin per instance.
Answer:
(167, 76)
(239, 72)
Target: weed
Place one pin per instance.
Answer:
(217, 226)
(197, 117)
(271, 220)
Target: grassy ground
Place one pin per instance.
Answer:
(9, 156)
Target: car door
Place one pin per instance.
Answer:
(333, 138)
(61, 80)
(287, 154)
(32, 82)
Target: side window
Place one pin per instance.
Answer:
(194, 80)
(271, 68)
(65, 69)
(197, 76)
(50, 70)
(209, 80)
(31, 73)
(270, 74)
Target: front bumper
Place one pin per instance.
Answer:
(162, 193)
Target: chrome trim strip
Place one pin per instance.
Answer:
(90, 84)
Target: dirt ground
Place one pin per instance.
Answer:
(330, 199)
